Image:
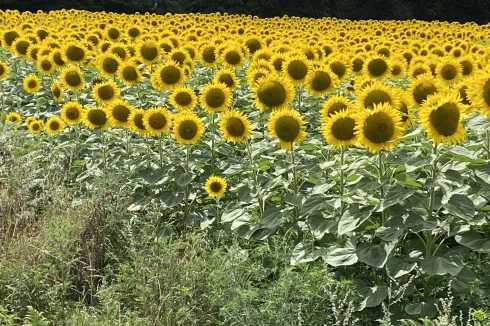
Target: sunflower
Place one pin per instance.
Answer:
(440, 116)
(36, 126)
(398, 68)
(379, 128)
(462, 89)
(288, 126)
(339, 129)
(13, 117)
(54, 125)
(296, 67)
(105, 92)
(72, 112)
(31, 83)
(74, 52)
(215, 97)
(376, 93)
(157, 120)
(108, 64)
(56, 91)
(45, 65)
(167, 76)
(274, 91)
(207, 55)
(226, 77)
(423, 86)
(339, 66)
(215, 186)
(148, 52)
(254, 75)
(335, 104)
(28, 120)
(235, 126)
(4, 70)
(96, 117)
(417, 69)
(377, 67)
(449, 71)
(479, 92)
(187, 128)
(178, 55)
(20, 47)
(56, 58)
(320, 80)
(128, 73)
(120, 49)
(136, 121)
(232, 57)
(72, 78)
(183, 98)
(468, 64)
(119, 111)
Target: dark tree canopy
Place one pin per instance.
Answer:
(450, 10)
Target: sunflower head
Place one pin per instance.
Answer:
(215, 186)
(95, 118)
(105, 92)
(339, 129)
(108, 64)
(320, 81)
(74, 52)
(423, 86)
(4, 70)
(54, 125)
(296, 68)
(449, 71)
(377, 67)
(275, 92)
(14, 118)
(167, 76)
(72, 112)
(187, 128)
(235, 126)
(72, 78)
(183, 98)
(128, 73)
(479, 92)
(215, 97)
(157, 120)
(136, 121)
(288, 126)
(31, 83)
(56, 91)
(334, 104)
(376, 93)
(379, 128)
(36, 126)
(119, 112)
(227, 77)
(148, 52)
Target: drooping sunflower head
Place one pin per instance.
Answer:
(215, 186)
(423, 86)
(320, 80)
(4, 70)
(54, 125)
(274, 91)
(339, 129)
(167, 76)
(136, 121)
(157, 120)
(462, 89)
(479, 92)
(9, 36)
(95, 118)
(215, 97)
(277, 61)
(56, 91)
(334, 104)
(377, 67)
(418, 68)
(72, 78)
(449, 71)
(235, 126)
(378, 129)
(72, 112)
(119, 111)
(105, 92)
(227, 77)
(376, 93)
(14, 118)
(440, 116)
(468, 64)
(183, 98)
(57, 59)
(296, 67)
(36, 127)
(31, 83)
(288, 126)
(187, 128)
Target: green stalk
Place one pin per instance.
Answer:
(295, 178)
(254, 175)
(212, 144)
(218, 213)
(160, 149)
(104, 156)
(381, 172)
(187, 154)
(342, 181)
(433, 174)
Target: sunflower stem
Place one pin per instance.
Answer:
(248, 144)
(187, 154)
(218, 213)
(381, 173)
(298, 91)
(295, 178)
(160, 149)
(104, 155)
(128, 156)
(342, 161)
(212, 143)
(432, 192)
(487, 143)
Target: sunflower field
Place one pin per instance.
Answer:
(360, 149)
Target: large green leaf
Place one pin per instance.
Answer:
(343, 256)
(320, 225)
(461, 206)
(232, 214)
(353, 217)
(389, 233)
(395, 194)
(182, 178)
(423, 309)
(397, 267)
(373, 296)
(374, 255)
(473, 240)
(171, 199)
(463, 280)
(436, 265)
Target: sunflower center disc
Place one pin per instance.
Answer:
(110, 65)
(120, 52)
(258, 76)
(448, 72)
(183, 99)
(232, 57)
(32, 84)
(423, 90)
(74, 53)
(343, 128)
(287, 129)
(357, 65)
(486, 92)
(272, 94)
(336, 107)
(72, 113)
(113, 33)
(57, 59)
(467, 67)
(215, 98)
(56, 92)
(278, 64)
(97, 117)
(22, 47)
(54, 125)
(179, 57)
(170, 75)
(133, 32)
(157, 121)
(235, 127)
(2, 70)
(445, 119)
(73, 78)
(187, 129)
(106, 92)
(338, 68)
(253, 45)
(376, 97)
(120, 113)
(138, 121)
(377, 67)
(149, 52)
(36, 127)
(379, 128)
(464, 97)
(297, 69)
(208, 55)
(227, 80)
(129, 73)
(46, 65)
(396, 70)
(321, 81)
(418, 72)
(215, 187)
(10, 37)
